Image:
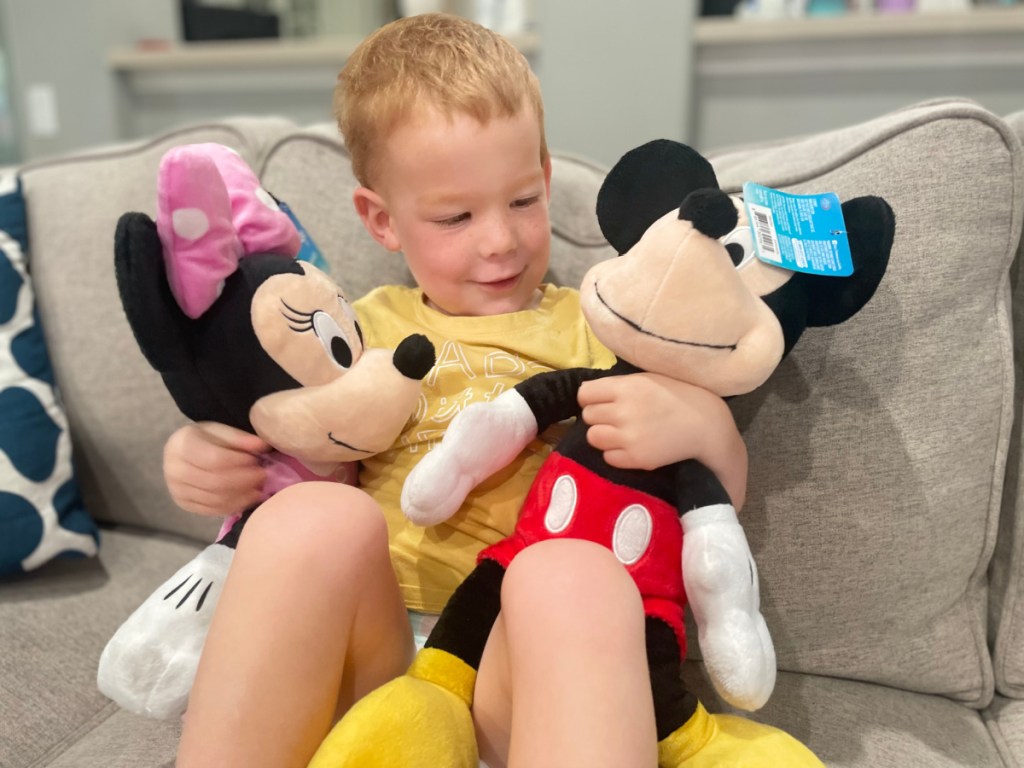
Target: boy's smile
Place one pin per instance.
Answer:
(467, 204)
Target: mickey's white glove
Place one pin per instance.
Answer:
(481, 439)
(721, 586)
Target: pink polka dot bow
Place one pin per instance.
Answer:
(211, 212)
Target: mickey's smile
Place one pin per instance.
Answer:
(632, 324)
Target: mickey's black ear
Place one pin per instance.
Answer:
(644, 185)
(161, 329)
(871, 226)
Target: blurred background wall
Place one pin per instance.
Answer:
(615, 73)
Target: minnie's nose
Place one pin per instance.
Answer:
(414, 356)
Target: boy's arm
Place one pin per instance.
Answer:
(646, 420)
(214, 469)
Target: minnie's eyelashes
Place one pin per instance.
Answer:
(298, 321)
(295, 311)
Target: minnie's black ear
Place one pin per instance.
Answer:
(646, 183)
(159, 325)
(164, 333)
(871, 226)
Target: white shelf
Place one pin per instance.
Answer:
(758, 80)
(727, 30)
(158, 86)
(247, 54)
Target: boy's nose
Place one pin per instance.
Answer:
(499, 237)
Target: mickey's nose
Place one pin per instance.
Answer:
(711, 211)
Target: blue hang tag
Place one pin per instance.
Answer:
(307, 248)
(801, 233)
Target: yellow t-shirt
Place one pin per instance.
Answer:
(478, 358)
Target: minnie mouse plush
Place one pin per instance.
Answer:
(244, 334)
(686, 299)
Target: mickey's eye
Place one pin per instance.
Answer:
(333, 339)
(740, 245)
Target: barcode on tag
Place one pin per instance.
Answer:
(764, 229)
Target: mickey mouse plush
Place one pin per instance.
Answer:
(687, 299)
(244, 334)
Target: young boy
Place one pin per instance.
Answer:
(444, 123)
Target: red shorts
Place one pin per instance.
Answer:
(568, 501)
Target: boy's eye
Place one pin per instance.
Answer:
(526, 202)
(453, 221)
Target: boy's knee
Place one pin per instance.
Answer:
(319, 520)
(568, 574)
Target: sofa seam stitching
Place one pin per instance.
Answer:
(63, 745)
(1015, 566)
(974, 114)
(131, 149)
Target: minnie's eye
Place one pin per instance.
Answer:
(740, 245)
(350, 313)
(333, 339)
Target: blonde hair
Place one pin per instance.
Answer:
(437, 60)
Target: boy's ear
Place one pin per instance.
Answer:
(376, 218)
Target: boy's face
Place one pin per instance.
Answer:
(467, 204)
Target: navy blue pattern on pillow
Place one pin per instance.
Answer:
(41, 511)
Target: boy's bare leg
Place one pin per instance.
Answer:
(309, 620)
(564, 678)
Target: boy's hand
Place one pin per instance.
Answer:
(645, 421)
(214, 469)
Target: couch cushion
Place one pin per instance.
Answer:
(41, 510)
(53, 626)
(119, 411)
(849, 724)
(310, 169)
(122, 740)
(877, 451)
(1005, 720)
(1007, 599)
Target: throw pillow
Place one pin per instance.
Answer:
(41, 512)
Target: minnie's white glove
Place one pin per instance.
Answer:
(721, 586)
(481, 439)
(149, 664)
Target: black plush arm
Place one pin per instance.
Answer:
(552, 395)
(697, 486)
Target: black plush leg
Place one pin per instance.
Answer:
(673, 703)
(230, 539)
(688, 737)
(423, 718)
(465, 624)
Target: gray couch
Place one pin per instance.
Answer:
(885, 495)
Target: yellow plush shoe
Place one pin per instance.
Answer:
(726, 741)
(419, 720)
